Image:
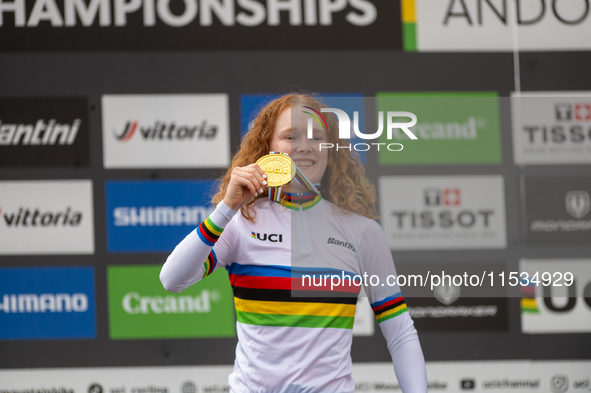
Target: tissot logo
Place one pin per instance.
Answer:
(274, 237)
(443, 212)
(36, 217)
(167, 131)
(445, 197)
(552, 128)
(570, 112)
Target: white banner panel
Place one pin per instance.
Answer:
(166, 131)
(443, 212)
(551, 127)
(510, 376)
(502, 25)
(556, 308)
(46, 217)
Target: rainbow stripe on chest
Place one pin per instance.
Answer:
(282, 296)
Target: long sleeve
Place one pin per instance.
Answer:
(201, 252)
(391, 312)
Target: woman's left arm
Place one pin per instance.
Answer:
(391, 312)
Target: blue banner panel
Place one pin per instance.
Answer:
(47, 303)
(154, 216)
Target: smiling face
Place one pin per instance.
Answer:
(290, 136)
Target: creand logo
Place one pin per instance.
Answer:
(392, 125)
(161, 130)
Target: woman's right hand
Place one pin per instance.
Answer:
(245, 184)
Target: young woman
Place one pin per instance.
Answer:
(294, 333)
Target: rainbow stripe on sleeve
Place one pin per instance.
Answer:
(277, 296)
(208, 232)
(389, 308)
(210, 264)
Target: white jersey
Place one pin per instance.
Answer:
(294, 324)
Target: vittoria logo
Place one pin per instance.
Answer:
(41, 133)
(25, 217)
(167, 131)
(58, 214)
(274, 237)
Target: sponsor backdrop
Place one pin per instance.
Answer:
(117, 117)
(151, 216)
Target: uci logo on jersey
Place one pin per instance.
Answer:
(274, 237)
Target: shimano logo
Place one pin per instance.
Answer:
(41, 133)
(46, 302)
(274, 237)
(167, 131)
(336, 242)
(26, 217)
(160, 215)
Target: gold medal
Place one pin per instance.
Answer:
(280, 169)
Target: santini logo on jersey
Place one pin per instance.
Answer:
(161, 130)
(341, 243)
(34, 217)
(41, 133)
(274, 237)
